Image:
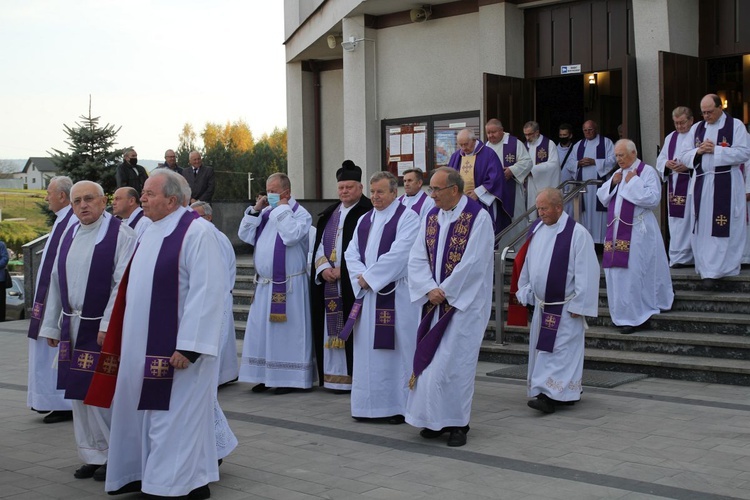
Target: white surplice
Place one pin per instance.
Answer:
(443, 392)
(91, 424)
(719, 257)
(558, 374)
(545, 174)
(42, 382)
(172, 452)
(279, 354)
(644, 288)
(592, 219)
(335, 368)
(228, 366)
(410, 201)
(567, 170)
(521, 169)
(380, 381)
(142, 223)
(680, 228)
(746, 253)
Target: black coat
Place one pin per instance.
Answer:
(201, 185)
(125, 176)
(317, 307)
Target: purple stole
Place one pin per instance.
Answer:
(37, 311)
(385, 303)
(617, 248)
(428, 339)
(132, 223)
(601, 153)
(331, 295)
(676, 190)
(509, 188)
(417, 207)
(555, 291)
(542, 154)
(722, 182)
(278, 287)
(163, 322)
(75, 376)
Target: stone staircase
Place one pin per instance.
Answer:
(704, 338)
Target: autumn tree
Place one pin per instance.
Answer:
(185, 145)
(92, 154)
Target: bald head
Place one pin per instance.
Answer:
(124, 202)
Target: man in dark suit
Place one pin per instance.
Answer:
(129, 173)
(331, 295)
(200, 179)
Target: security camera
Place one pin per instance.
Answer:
(421, 14)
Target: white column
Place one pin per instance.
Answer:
(300, 130)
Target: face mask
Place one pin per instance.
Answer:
(564, 141)
(133, 161)
(273, 199)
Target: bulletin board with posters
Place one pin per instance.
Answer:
(424, 142)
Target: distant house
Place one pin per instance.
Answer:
(38, 171)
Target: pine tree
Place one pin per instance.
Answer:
(92, 154)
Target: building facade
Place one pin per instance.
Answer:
(388, 83)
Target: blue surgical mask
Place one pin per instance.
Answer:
(273, 199)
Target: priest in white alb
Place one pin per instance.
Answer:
(719, 145)
(43, 395)
(635, 264)
(677, 177)
(277, 351)
(560, 278)
(384, 321)
(450, 278)
(414, 197)
(164, 336)
(92, 259)
(546, 170)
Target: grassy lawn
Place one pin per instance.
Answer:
(23, 220)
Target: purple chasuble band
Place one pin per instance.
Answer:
(40, 297)
(601, 154)
(279, 279)
(331, 295)
(385, 303)
(617, 247)
(134, 222)
(76, 364)
(542, 151)
(163, 320)
(722, 195)
(428, 339)
(417, 207)
(509, 188)
(676, 191)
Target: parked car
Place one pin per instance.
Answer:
(15, 307)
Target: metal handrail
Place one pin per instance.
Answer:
(501, 255)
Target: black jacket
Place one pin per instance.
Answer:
(127, 177)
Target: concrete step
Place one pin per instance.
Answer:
(242, 296)
(244, 282)
(240, 312)
(689, 322)
(654, 341)
(698, 369)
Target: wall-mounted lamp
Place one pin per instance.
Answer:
(333, 41)
(351, 44)
(592, 79)
(724, 104)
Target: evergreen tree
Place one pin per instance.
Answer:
(92, 155)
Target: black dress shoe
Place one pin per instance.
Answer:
(259, 388)
(430, 434)
(199, 493)
(85, 471)
(542, 403)
(396, 420)
(221, 461)
(54, 417)
(101, 473)
(133, 487)
(457, 437)
(340, 391)
(229, 382)
(283, 390)
(41, 412)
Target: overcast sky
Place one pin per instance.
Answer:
(149, 66)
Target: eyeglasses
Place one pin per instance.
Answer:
(432, 190)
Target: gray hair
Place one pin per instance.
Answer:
(392, 180)
(99, 189)
(172, 183)
(453, 177)
(682, 110)
(468, 133)
(63, 184)
(494, 122)
(127, 152)
(629, 145)
(552, 195)
(284, 182)
(534, 126)
(207, 210)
